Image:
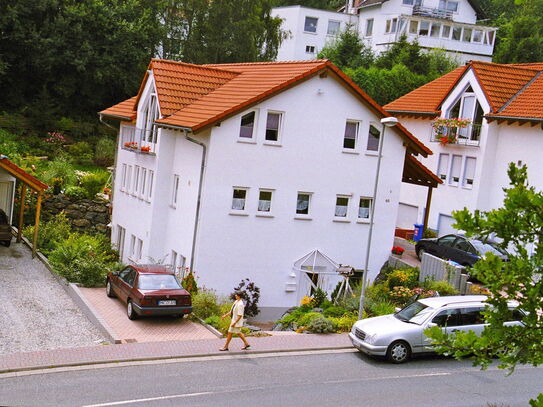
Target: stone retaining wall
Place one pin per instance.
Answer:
(85, 215)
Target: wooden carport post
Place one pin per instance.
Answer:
(36, 225)
(21, 213)
(427, 209)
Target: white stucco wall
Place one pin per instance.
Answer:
(6, 201)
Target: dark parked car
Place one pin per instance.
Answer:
(149, 290)
(459, 249)
(5, 229)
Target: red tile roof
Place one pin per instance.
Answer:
(198, 96)
(21, 174)
(512, 91)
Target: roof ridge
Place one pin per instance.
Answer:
(208, 66)
(303, 61)
(521, 90)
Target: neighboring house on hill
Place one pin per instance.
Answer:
(448, 24)
(503, 105)
(240, 170)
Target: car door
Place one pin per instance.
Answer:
(126, 284)
(443, 246)
(472, 319)
(448, 320)
(117, 281)
(463, 252)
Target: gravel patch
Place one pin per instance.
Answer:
(37, 314)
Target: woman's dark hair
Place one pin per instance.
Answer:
(239, 293)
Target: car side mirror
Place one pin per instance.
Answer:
(431, 324)
(397, 309)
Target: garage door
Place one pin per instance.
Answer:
(407, 216)
(444, 225)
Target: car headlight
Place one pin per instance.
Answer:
(370, 339)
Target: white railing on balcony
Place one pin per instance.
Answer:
(432, 12)
(139, 141)
(469, 135)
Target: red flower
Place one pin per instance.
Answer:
(397, 250)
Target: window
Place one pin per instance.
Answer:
(364, 207)
(472, 316)
(143, 178)
(139, 249)
(136, 179)
(310, 49)
(456, 33)
(448, 5)
(412, 2)
(302, 203)
(424, 28)
(150, 114)
(490, 35)
(373, 138)
(449, 317)
(434, 31)
(264, 200)
(351, 133)
(466, 35)
(477, 36)
(238, 199)
(369, 27)
(443, 166)
(469, 172)
(273, 123)
(455, 170)
(175, 190)
(333, 27)
(413, 27)
(132, 246)
(123, 177)
(129, 179)
(447, 240)
(310, 25)
(120, 241)
(342, 205)
(150, 183)
(446, 31)
(391, 25)
(247, 125)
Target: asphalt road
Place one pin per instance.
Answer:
(310, 379)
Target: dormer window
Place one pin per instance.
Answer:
(150, 115)
(468, 107)
(448, 5)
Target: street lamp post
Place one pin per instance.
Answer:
(386, 122)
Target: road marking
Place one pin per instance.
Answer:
(175, 396)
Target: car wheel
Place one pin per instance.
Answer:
(130, 311)
(7, 243)
(109, 290)
(420, 252)
(398, 352)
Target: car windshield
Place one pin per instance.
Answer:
(415, 313)
(157, 282)
(488, 247)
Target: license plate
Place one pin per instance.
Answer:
(166, 302)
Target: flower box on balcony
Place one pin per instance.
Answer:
(446, 130)
(131, 144)
(145, 149)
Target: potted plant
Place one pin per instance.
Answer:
(131, 144)
(397, 251)
(446, 130)
(145, 149)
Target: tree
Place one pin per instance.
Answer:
(520, 40)
(320, 4)
(348, 51)
(518, 224)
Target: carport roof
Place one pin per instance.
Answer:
(22, 175)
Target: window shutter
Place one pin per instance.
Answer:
(469, 172)
(443, 165)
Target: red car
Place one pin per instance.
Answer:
(149, 290)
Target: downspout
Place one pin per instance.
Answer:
(197, 217)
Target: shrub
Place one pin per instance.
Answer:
(81, 152)
(75, 192)
(407, 277)
(318, 297)
(50, 233)
(350, 303)
(189, 283)
(59, 171)
(376, 308)
(93, 183)
(204, 304)
(345, 322)
(250, 294)
(429, 234)
(104, 155)
(321, 325)
(305, 319)
(443, 288)
(84, 259)
(334, 311)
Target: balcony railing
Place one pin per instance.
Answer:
(137, 140)
(432, 12)
(469, 135)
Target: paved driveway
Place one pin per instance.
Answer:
(149, 329)
(35, 311)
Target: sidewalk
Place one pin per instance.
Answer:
(167, 350)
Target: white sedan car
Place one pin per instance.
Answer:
(398, 336)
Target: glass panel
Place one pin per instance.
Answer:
(447, 318)
(351, 129)
(424, 28)
(446, 32)
(446, 240)
(272, 126)
(408, 2)
(466, 36)
(373, 139)
(364, 208)
(302, 204)
(247, 125)
(443, 166)
(452, 6)
(369, 27)
(333, 27)
(394, 25)
(238, 200)
(264, 201)
(455, 169)
(436, 27)
(472, 316)
(477, 35)
(158, 282)
(469, 171)
(311, 24)
(457, 32)
(491, 37)
(342, 204)
(413, 27)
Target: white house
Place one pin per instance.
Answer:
(448, 24)
(504, 111)
(260, 170)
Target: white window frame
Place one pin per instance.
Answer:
(132, 247)
(455, 159)
(316, 24)
(243, 211)
(121, 233)
(377, 127)
(264, 213)
(362, 219)
(151, 175)
(135, 190)
(442, 166)
(335, 32)
(344, 218)
(252, 139)
(139, 249)
(124, 170)
(279, 129)
(391, 25)
(358, 124)
(150, 115)
(129, 180)
(143, 182)
(446, 5)
(304, 216)
(173, 260)
(310, 49)
(465, 183)
(175, 191)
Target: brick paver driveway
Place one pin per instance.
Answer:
(148, 329)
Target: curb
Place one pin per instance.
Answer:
(147, 359)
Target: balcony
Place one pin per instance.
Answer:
(139, 141)
(432, 12)
(463, 132)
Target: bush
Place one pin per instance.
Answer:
(204, 304)
(334, 311)
(93, 183)
(104, 155)
(75, 192)
(189, 283)
(81, 152)
(380, 307)
(59, 172)
(318, 297)
(441, 287)
(345, 322)
(305, 319)
(321, 325)
(250, 294)
(50, 233)
(84, 259)
(407, 277)
(429, 234)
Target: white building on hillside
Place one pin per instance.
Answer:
(502, 105)
(244, 170)
(448, 24)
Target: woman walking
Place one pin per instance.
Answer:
(236, 312)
